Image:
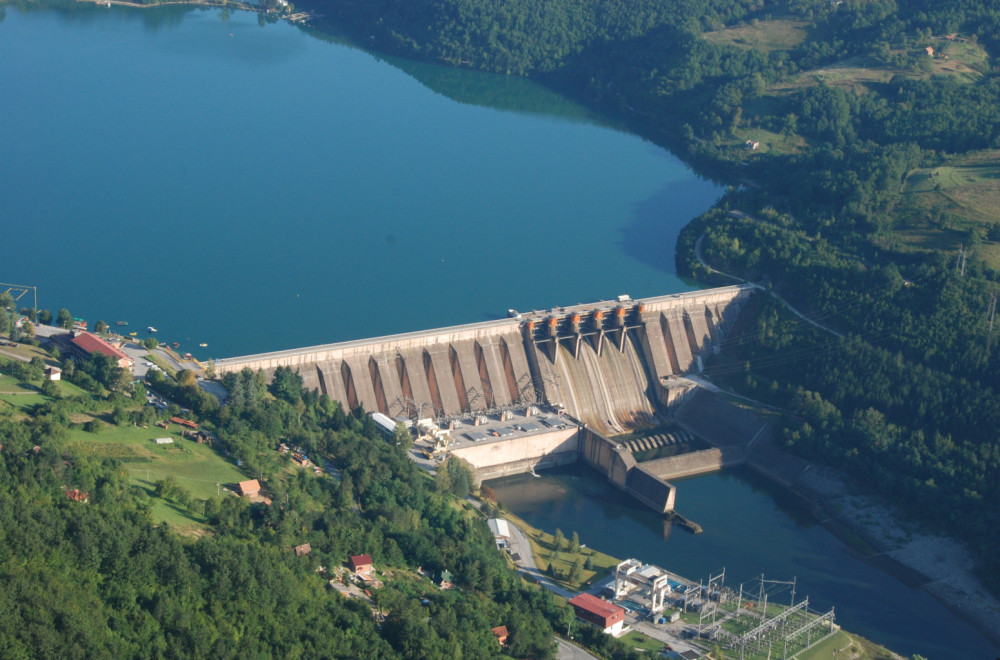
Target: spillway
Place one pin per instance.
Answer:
(609, 364)
(611, 391)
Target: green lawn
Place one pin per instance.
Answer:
(19, 396)
(197, 468)
(965, 193)
(846, 645)
(853, 74)
(767, 36)
(642, 642)
(768, 142)
(542, 547)
(962, 60)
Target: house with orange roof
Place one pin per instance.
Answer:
(249, 488)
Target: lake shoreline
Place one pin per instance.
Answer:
(939, 565)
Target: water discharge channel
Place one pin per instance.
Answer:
(750, 527)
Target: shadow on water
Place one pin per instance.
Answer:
(505, 93)
(651, 240)
(472, 87)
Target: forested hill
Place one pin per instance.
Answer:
(862, 141)
(90, 567)
(522, 36)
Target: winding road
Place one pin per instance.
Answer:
(701, 260)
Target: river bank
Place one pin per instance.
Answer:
(879, 535)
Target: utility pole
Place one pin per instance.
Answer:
(960, 264)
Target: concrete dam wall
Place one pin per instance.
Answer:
(609, 364)
(605, 368)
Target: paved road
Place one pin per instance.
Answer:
(701, 260)
(520, 547)
(569, 651)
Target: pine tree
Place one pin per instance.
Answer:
(576, 573)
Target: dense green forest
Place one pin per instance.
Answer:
(860, 139)
(90, 567)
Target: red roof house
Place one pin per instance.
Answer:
(361, 564)
(500, 632)
(303, 549)
(78, 495)
(601, 613)
(249, 488)
(88, 344)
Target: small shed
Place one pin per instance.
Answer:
(53, 373)
(301, 550)
(250, 488)
(78, 495)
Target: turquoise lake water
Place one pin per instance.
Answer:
(256, 188)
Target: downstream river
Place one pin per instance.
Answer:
(751, 528)
(253, 187)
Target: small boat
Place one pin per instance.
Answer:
(176, 344)
(132, 334)
(150, 329)
(203, 345)
(121, 323)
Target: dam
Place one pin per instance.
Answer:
(599, 370)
